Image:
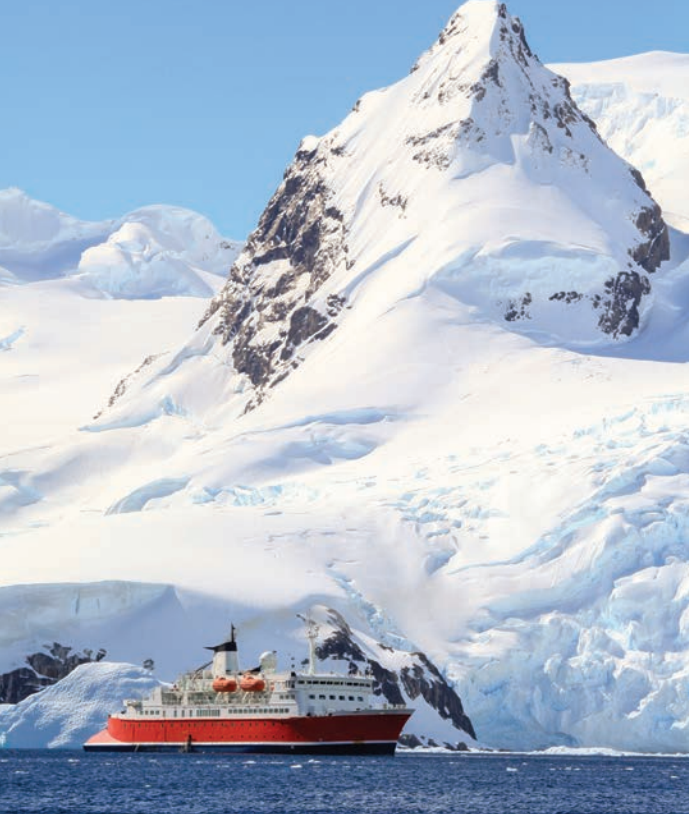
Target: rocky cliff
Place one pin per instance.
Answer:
(43, 669)
(399, 677)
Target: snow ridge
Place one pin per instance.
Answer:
(152, 252)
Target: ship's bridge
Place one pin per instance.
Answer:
(319, 694)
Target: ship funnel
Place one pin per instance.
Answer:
(269, 662)
(225, 659)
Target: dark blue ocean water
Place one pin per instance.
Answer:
(76, 783)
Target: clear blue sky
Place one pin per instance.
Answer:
(112, 104)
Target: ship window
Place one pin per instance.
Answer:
(351, 697)
(359, 698)
(322, 697)
(342, 698)
(332, 697)
(312, 697)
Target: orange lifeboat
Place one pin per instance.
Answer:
(252, 683)
(223, 684)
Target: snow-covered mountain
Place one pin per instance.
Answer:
(152, 252)
(80, 303)
(641, 107)
(442, 394)
(476, 175)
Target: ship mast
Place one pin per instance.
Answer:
(312, 634)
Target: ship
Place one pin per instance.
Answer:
(220, 708)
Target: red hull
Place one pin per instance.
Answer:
(360, 732)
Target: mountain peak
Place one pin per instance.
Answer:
(476, 176)
(480, 17)
(483, 73)
(481, 127)
(479, 32)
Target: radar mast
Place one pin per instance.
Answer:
(312, 633)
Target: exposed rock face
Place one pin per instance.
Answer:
(656, 249)
(44, 669)
(425, 680)
(621, 303)
(418, 678)
(265, 309)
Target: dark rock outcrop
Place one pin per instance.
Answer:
(266, 309)
(652, 252)
(418, 678)
(425, 680)
(519, 309)
(44, 668)
(621, 302)
(122, 385)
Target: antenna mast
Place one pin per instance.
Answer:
(312, 634)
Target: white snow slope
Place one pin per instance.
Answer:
(68, 713)
(641, 107)
(507, 495)
(79, 302)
